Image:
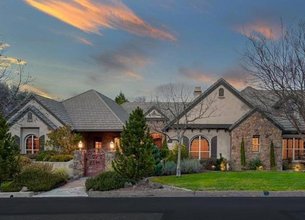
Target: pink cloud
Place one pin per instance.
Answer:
(91, 17)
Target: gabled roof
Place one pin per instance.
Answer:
(220, 82)
(267, 102)
(92, 111)
(152, 108)
(54, 107)
(35, 111)
(251, 112)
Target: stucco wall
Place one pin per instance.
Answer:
(22, 127)
(221, 110)
(223, 139)
(256, 124)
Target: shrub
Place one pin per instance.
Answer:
(254, 164)
(24, 161)
(272, 156)
(242, 154)
(157, 156)
(164, 150)
(173, 154)
(39, 177)
(61, 158)
(10, 186)
(45, 155)
(190, 166)
(169, 168)
(109, 180)
(287, 165)
(209, 164)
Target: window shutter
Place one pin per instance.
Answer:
(42, 142)
(214, 147)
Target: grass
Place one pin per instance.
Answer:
(249, 180)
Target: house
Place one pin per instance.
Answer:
(232, 116)
(96, 117)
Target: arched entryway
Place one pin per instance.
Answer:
(200, 148)
(32, 144)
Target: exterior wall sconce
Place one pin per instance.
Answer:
(80, 145)
(111, 145)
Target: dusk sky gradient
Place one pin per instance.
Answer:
(134, 46)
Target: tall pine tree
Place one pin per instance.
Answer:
(134, 160)
(121, 99)
(9, 153)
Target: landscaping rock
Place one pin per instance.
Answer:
(24, 189)
(155, 185)
(127, 185)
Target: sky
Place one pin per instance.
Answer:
(70, 46)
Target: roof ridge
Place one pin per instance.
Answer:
(98, 95)
(78, 95)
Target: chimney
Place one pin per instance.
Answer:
(197, 91)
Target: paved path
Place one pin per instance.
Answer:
(75, 188)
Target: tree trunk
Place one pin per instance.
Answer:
(178, 171)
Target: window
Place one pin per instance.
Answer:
(200, 148)
(32, 144)
(98, 145)
(221, 92)
(255, 143)
(30, 117)
(293, 149)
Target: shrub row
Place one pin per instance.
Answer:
(187, 166)
(36, 177)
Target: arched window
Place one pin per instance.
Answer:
(200, 148)
(32, 144)
(157, 139)
(221, 92)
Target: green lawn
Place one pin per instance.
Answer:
(250, 180)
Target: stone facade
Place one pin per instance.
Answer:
(256, 124)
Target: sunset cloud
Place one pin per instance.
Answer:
(269, 31)
(235, 76)
(36, 90)
(6, 61)
(91, 17)
(84, 41)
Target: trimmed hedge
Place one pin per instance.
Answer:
(109, 180)
(53, 156)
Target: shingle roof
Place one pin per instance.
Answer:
(265, 101)
(55, 107)
(92, 111)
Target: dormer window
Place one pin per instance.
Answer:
(221, 93)
(30, 117)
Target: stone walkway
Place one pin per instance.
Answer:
(75, 188)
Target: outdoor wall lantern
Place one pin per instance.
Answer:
(111, 145)
(80, 145)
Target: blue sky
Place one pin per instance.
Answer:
(135, 46)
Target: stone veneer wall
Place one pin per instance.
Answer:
(256, 124)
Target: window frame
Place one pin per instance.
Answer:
(255, 145)
(221, 93)
(199, 152)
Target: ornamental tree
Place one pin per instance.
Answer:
(242, 153)
(272, 156)
(134, 159)
(9, 153)
(64, 140)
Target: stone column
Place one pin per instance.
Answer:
(79, 163)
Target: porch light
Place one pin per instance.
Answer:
(80, 145)
(111, 145)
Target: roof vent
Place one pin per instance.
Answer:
(197, 91)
